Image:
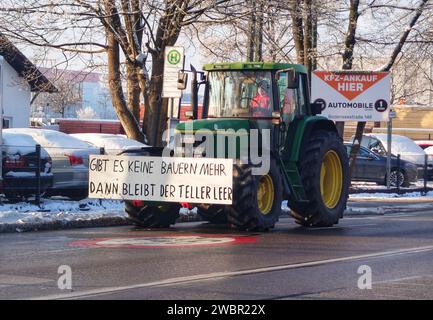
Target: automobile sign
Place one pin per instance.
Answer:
(352, 95)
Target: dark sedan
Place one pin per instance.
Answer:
(19, 166)
(371, 167)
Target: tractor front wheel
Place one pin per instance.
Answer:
(152, 216)
(213, 213)
(256, 198)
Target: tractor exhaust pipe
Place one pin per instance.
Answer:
(194, 93)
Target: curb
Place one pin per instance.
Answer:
(62, 225)
(76, 224)
(383, 208)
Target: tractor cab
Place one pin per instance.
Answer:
(256, 90)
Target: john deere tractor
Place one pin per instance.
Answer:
(308, 164)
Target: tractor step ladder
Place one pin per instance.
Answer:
(295, 185)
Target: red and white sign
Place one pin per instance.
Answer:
(352, 95)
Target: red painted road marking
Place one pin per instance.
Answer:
(165, 241)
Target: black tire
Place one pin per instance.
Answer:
(245, 213)
(315, 213)
(213, 213)
(152, 216)
(13, 197)
(78, 194)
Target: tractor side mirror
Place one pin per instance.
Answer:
(182, 80)
(292, 79)
(316, 108)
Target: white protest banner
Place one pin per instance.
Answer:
(173, 63)
(194, 180)
(352, 95)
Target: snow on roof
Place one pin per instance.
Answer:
(18, 143)
(112, 143)
(429, 151)
(56, 143)
(402, 145)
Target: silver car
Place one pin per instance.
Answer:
(112, 144)
(70, 160)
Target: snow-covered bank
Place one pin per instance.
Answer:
(413, 196)
(60, 211)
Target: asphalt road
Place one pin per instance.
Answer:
(289, 262)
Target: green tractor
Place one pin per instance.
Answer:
(307, 163)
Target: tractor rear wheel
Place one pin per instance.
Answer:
(324, 170)
(256, 198)
(152, 216)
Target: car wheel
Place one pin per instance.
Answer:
(398, 176)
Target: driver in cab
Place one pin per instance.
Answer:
(261, 103)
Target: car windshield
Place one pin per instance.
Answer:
(240, 94)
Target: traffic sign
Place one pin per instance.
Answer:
(173, 63)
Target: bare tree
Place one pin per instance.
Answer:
(68, 97)
(130, 34)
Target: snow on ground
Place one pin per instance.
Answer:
(380, 196)
(60, 210)
(378, 188)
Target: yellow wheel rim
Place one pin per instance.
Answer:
(331, 179)
(265, 194)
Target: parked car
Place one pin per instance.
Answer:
(429, 151)
(20, 164)
(112, 143)
(70, 160)
(405, 147)
(371, 167)
(424, 144)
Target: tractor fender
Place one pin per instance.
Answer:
(318, 123)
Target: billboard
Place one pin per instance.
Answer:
(352, 95)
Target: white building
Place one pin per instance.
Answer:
(19, 78)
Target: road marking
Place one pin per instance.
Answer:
(220, 275)
(165, 241)
(15, 280)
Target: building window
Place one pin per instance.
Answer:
(7, 123)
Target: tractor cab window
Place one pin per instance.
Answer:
(292, 101)
(240, 94)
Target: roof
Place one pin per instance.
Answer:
(253, 66)
(72, 75)
(24, 67)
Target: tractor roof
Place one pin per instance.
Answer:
(253, 66)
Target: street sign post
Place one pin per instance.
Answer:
(388, 158)
(352, 95)
(173, 64)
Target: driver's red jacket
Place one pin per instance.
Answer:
(261, 106)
